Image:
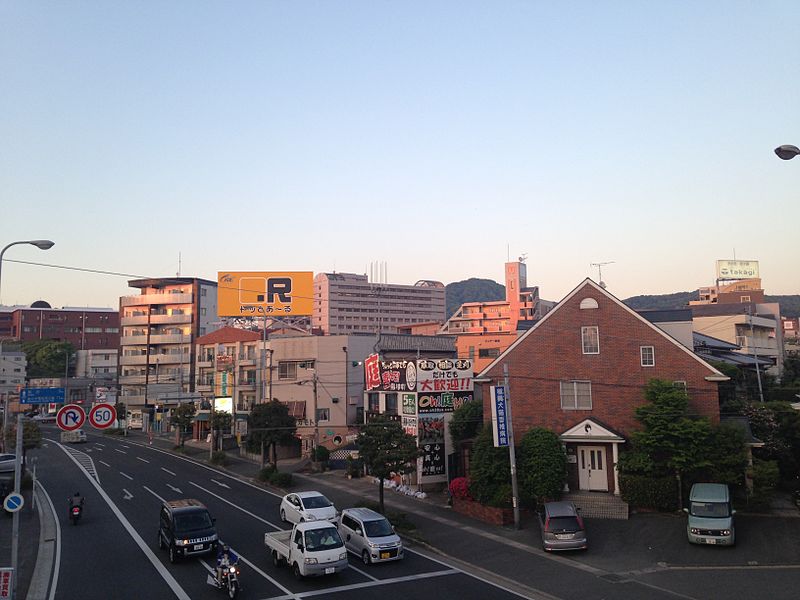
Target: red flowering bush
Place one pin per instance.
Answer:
(459, 488)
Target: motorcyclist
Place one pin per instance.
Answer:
(225, 558)
(76, 500)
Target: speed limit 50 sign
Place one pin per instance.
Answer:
(102, 415)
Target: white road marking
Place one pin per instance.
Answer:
(154, 494)
(99, 444)
(289, 594)
(143, 459)
(219, 483)
(174, 489)
(362, 572)
(127, 495)
(160, 568)
(126, 475)
(104, 463)
(244, 510)
(120, 451)
(126, 447)
(168, 471)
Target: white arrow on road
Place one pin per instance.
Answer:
(127, 495)
(174, 489)
(219, 483)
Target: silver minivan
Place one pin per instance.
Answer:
(710, 515)
(369, 535)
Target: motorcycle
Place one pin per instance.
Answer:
(75, 512)
(230, 579)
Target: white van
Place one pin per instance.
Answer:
(710, 515)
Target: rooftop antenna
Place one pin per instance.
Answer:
(600, 266)
(178, 274)
(524, 257)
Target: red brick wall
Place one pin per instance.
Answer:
(553, 352)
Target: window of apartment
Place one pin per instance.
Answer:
(488, 352)
(112, 330)
(203, 291)
(94, 330)
(391, 404)
(287, 370)
(203, 312)
(741, 340)
(374, 402)
(29, 329)
(744, 298)
(323, 414)
(576, 395)
(590, 338)
(647, 354)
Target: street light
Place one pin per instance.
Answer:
(41, 244)
(787, 151)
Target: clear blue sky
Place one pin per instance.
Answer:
(437, 137)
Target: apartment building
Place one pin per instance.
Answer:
(13, 369)
(159, 329)
(84, 328)
(346, 303)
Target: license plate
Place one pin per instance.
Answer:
(711, 541)
(198, 547)
(329, 570)
(563, 536)
(385, 555)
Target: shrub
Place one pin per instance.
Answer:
(459, 488)
(266, 473)
(542, 466)
(489, 468)
(355, 466)
(649, 492)
(765, 477)
(282, 480)
(219, 458)
(501, 498)
(322, 454)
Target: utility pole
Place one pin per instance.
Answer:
(755, 353)
(15, 522)
(512, 453)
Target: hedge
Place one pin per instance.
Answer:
(649, 492)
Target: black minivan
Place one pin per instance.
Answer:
(186, 528)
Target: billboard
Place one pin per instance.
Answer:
(259, 293)
(737, 269)
(390, 375)
(444, 375)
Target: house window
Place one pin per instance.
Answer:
(373, 401)
(745, 298)
(590, 339)
(648, 356)
(488, 352)
(323, 414)
(287, 370)
(576, 395)
(681, 385)
(391, 404)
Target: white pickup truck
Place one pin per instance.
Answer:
(310, 548)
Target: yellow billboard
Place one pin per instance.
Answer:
(259, 293)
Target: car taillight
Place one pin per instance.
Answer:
(547, 524)
(580, 523)
(75, 510)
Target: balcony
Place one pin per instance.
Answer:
(133, 340)
(138, 320)
(137, 359)
(131, 379)
(158, 319)
(131, 401)
(170, 339)
(148, 299)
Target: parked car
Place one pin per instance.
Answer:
(299, 507)
(369, 535)
(562, 527)
(7, 462)
(710, 515)
(186, 528)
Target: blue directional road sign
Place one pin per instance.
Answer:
(42, 396)
(13, 502)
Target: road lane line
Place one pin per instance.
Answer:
(99, 444)
(126, 475)
(160, 568)
(370, 584)
(120, 451)
(220, 484)
(174, 489)
(154, 494)
(168, 471)
(244, 510)
(288, 592)
(360, 572)
(143, 459)
(104, 463)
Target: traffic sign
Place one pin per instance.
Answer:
(13, 502)
(70, 417)
(102, 415)
(42, 395)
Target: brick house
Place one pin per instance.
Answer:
(581, 371)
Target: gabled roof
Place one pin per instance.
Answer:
(714, 374)
(227, 335)
(591, 429)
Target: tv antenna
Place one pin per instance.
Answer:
(600, 266)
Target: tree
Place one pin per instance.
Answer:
(182, 417)
(386, 449)
(542, 465)
(31, 436)
(122, 411)
(268, 425)
(47, 358)
(672, 442)
(489, 471)
(467, 421)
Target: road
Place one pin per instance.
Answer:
(112, 552)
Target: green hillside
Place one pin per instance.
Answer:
(472, 290)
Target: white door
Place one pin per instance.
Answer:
(592, 468)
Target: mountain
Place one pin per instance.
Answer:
(472, 290)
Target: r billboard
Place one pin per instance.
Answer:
(259, 293)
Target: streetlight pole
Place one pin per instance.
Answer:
(41, 244)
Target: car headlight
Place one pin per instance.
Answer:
(311, 518)
(726, 532)
(343, 556)
(182, 542)
(310, 561)
(695, 530)
(373, 545)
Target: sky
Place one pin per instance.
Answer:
(439, 139)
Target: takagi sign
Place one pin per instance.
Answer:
(444, 375)
(259, 293)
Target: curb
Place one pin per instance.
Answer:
(48, 546)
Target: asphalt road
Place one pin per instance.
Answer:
(113, 553)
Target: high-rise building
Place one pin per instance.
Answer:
(346, 303)
(159, 328)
